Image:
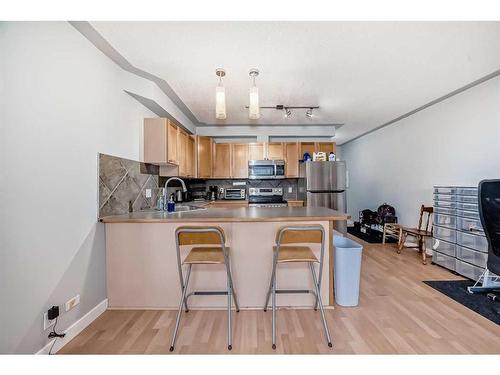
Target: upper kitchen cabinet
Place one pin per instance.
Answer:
(275, 151)
(204, 155)
(160, 141)
(308, 147)
(190, 157)
(239, 160)
(185, 151)
(292, 157)
(221, 167)
(256, 151)
(312, 147)
(326, 147)
(172, 155)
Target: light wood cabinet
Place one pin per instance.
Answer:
(182, 138)
(190, 157)
(292, 159)
(312, 147)
(204, 156)
(326, 147)
(275, 151)
(172, 142)
(256, 151)
(160, 141)
(309, 147)
(221, 167)
(239, 160)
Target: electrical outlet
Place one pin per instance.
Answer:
(72, 302)
(290, 189)
(47, 323)
(148, 193)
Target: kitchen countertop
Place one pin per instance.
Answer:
(244, 214)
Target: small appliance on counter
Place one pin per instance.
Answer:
(234, 194)
(178, 196)
(212, 193)
(266, 197)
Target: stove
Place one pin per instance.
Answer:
(266, 197)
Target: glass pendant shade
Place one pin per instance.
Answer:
(220, 103)
(253, 108)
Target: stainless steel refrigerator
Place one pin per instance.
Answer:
(323, 184)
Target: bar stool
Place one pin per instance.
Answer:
(294, 254)
(219, 254)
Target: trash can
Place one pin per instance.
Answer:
(347, 270)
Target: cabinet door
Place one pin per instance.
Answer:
(275, 151)
(256, 151)
(307, 147)
(172, 143)
(239, 157)
(325, 147)
(222, 160)
(182, 139)
(155, 140)
(190, 157)
(204, 156)
(292, 159)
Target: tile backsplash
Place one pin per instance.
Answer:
(196, 184)
(123, 182)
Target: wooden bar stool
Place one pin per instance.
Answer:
(293, 254)
(218, 254)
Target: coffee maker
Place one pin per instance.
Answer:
(212, 193)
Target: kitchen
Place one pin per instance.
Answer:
(260, 187)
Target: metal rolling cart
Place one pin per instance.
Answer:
(460, 244)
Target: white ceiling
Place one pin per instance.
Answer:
(361, 74)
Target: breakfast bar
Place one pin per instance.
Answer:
(142, 267)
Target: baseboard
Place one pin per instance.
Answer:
(75, 328)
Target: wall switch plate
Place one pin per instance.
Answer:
(72, 302)
(46, 322)
(148, 193)
(290, 189)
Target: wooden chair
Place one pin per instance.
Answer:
(392, 230)
(419, 233)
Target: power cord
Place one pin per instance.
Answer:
(55, 335)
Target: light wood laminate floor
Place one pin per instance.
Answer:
(398, 313)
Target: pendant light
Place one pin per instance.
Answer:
(220, 96)
(253, 107)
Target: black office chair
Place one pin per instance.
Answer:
(489, 212)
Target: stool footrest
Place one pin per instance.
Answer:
(208, 293)
(294, 291)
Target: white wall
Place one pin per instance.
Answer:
(61, 103)
(455, 142)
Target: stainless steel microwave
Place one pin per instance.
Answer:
(266, 169)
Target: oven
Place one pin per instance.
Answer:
(266, 169)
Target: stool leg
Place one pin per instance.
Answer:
(183, 300)
(325, 325)
(229, 297)
(233, 292)
(270, 283)
(274, 307)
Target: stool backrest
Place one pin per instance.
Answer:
(489, 212)
(300, 234)
(193, 235)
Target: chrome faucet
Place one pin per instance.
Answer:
(165, 188)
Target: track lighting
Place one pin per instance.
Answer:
(309, 113)
(288, 112)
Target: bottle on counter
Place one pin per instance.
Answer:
(171, 204)
(160, 204)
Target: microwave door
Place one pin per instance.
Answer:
(260, 171)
